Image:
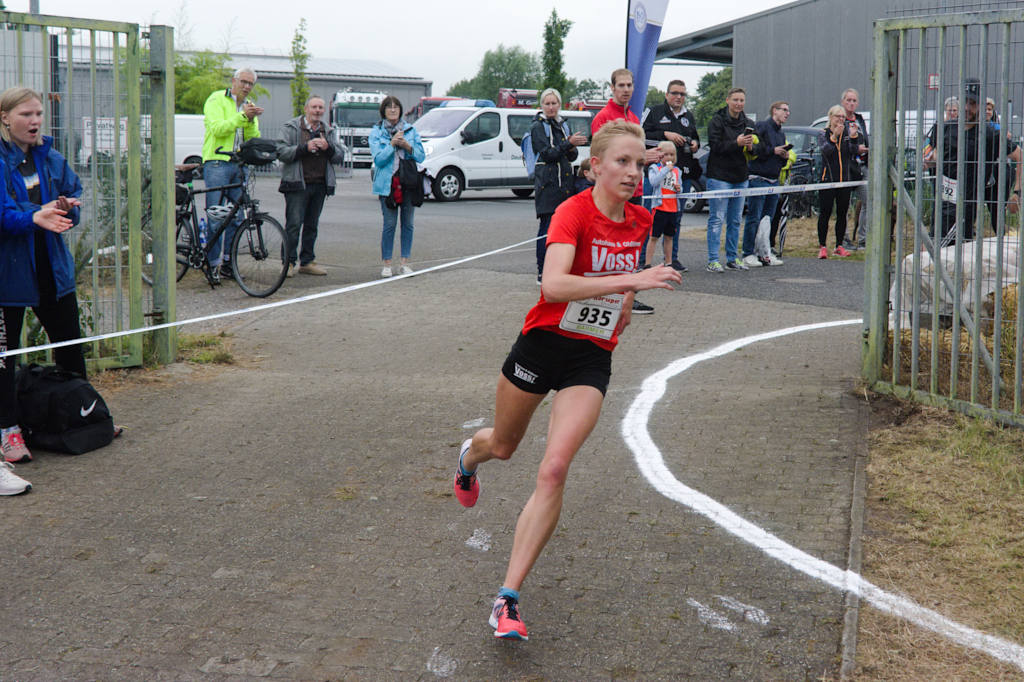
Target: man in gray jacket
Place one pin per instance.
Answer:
(307, 178)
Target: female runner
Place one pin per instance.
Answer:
(566, 343)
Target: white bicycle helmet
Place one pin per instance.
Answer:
(219, 212)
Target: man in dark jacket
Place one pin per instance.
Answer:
(764, 169)
(850, 99)
(307, 178)
(730, 134)
(672, 121)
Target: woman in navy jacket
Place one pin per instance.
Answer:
(36, 268)
(552, 177)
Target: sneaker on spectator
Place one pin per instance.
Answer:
(405, 270)
(312, 269)
(12, 444)
(714, 266)
(291, 270)
(774, 259)
(467, 488)
(385, 271)
(505, 619)
(641, 309)
(840, 252)
(752, 261)
(736, 264)
(10, 484)
(823, 253)
(678, 267)
(225, 271)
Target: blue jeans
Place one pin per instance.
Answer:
(687, 184)
(730, 210)
(757, 208)
(387, 238)
(215, 174)
(542, 243)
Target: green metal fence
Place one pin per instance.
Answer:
(97, 83)
(941, 305)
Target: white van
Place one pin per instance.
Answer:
(188, 138)
(479, 148)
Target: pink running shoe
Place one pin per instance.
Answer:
(505, 619)
(467, 488)
(12, 444)
(841, 252)
(823, 253)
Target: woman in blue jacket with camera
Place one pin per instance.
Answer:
(390, 141)
(36, 268)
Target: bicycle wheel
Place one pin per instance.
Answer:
(183, 243)
(259, 256)
(182, 247)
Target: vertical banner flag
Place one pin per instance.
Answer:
(643, 28)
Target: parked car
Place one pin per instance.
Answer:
(478, 148)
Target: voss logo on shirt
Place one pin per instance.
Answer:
(604, 261)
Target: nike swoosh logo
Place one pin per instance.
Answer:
(85, 412)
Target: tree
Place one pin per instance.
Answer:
(196, 76)
(711, 93)
(300, 58)
(502, 67)
(654, 97)
(199, 74)
(555, 31)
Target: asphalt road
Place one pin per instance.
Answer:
(291, 516)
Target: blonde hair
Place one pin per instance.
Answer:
(610, 130)
(836, 110)
(550, 91)
(667, 147)
(12, 97)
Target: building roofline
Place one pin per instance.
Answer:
(714, 43)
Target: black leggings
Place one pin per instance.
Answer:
(60, 320)
(841, 198)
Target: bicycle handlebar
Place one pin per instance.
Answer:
(232, 155)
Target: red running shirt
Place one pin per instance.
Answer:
(603, 247)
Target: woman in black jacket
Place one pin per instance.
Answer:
(552, 178)
(838, 150)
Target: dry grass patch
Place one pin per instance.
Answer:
(944, 526)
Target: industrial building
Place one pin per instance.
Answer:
(807, 52)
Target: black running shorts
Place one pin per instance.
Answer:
(664, 225)
(542, 361)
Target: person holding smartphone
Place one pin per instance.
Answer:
(764, 166)
(731, 136)
(838, 149)
(307, 179)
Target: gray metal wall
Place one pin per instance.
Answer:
(806, 55)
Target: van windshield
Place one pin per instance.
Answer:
(440, 122)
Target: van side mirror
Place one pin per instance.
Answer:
(466, 137)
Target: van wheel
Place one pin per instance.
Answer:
(522, 193)
(448, 185)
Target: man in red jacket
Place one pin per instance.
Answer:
(618, 107)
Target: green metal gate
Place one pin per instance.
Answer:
(941, 306)
(113, 123)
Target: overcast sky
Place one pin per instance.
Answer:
(443, 42)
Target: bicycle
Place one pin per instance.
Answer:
(259, 250)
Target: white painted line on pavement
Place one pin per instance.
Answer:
(652, 465)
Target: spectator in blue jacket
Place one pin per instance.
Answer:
(36, 268)
(391, 140)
